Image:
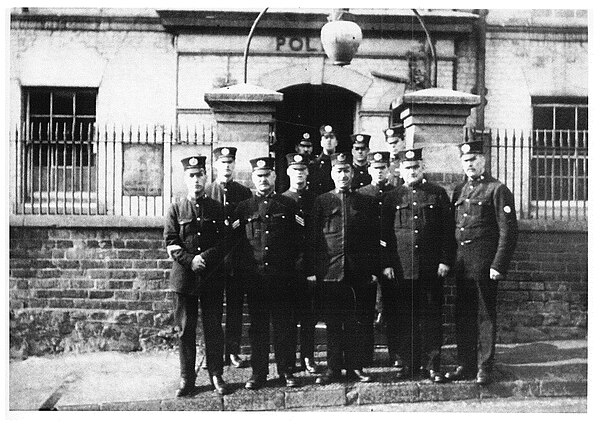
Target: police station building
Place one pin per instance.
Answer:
(104, 103)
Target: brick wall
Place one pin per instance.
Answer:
(89, 289)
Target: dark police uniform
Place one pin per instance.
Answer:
(486, 235)
(269, 248)
(347, 257)
(230, 194)
(395, 179)
(306, 296)
(319, 177)
(377, 192)
(361, 172)
(197, 227)
(420, 225)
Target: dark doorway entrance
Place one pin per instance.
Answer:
(304, 109)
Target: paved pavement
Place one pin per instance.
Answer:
(148, 380)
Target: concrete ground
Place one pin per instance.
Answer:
(148, 380)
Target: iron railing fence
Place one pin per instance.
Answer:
(122, 171)
(547, 171)
(109, 170)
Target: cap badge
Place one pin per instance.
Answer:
(224, 151)
(298, 158)
(410, 154)
(306, 136)
(507, 209)
(377, 157)
(389, 132)
(465, 148)
(359, 138)
(260, 163)
(328, 128)
(341, 157)
(193, 161)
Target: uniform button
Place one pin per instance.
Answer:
(266, 232)
(479, 203)
(471, 187)
(467, 200)
(265, 202)
(267, 216)
(197, 218)
(462, 244)
(226, 203)
(462, 229)
(266, 248)
(465, 214)
(416, 217)
(416, 231)
(416, 246)
(225, 189)
(266, 264)
(380, 202)
(199, 249)
(414, 191)
(414, 203)
(197, 205)
(199, 234)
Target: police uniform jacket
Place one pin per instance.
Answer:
(198, 228)
(347, 236)
(361, 176)
(485, 213)
(230, 194)
(319, 175)
(305, 201)
(419, 225)
(269, 236)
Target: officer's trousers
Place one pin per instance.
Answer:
(186, 320)
(366, 295)
(234, 306)
(345, 337)
(270, 300)
(412, 310)
(475, 313)
(306, 316)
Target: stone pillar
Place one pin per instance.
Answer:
(434, 119)
(244, 114)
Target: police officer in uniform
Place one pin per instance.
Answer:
(269, 232)
(230, 193)
(360, 164)
(378, 171)
(196, 239)
(305, 297)
(320, 175)
(304, 146)
(418, 219)
(486, 233)
(347, 264)
(394, 137)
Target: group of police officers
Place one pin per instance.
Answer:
(350, 227)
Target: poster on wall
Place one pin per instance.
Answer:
(142, 170)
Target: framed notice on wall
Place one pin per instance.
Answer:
(142, 170)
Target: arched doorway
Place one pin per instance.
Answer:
(304, 109)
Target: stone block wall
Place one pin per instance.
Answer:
(86, 289)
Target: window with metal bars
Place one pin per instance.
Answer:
(60, 125)
(559, 161)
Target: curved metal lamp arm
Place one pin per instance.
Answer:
(431, 47)
(248, 43)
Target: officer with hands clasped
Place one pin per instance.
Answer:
(197, 240)
(230, 193)
(347, 264)
(306, 297)
(418, 219)
(267, 228)
(486, 235)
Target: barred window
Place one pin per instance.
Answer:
(64, 115)
(559, 162)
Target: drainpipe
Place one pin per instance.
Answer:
(480, 89)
